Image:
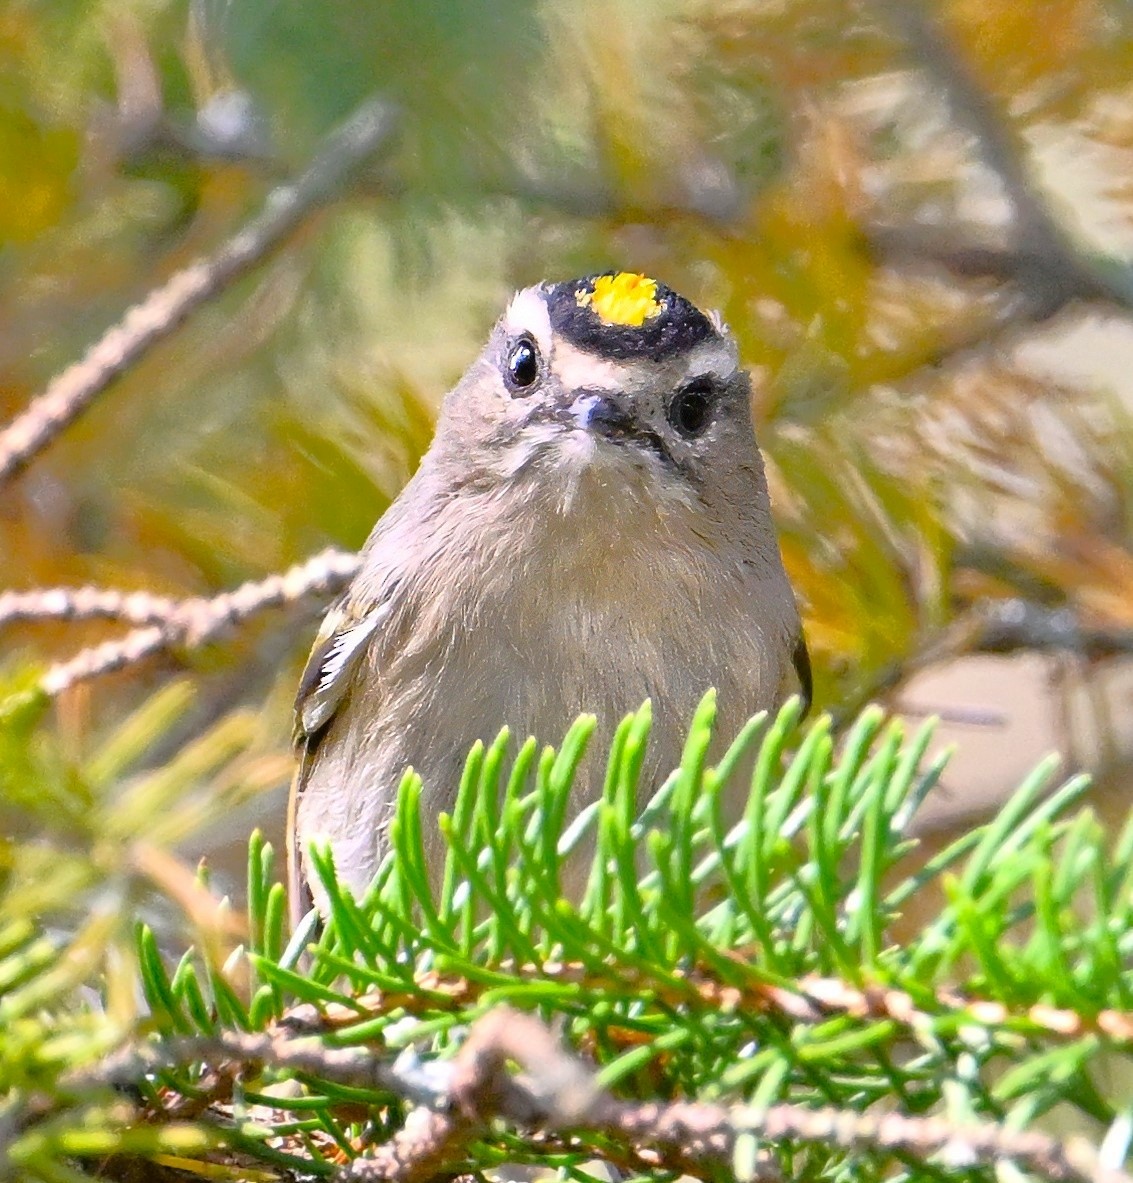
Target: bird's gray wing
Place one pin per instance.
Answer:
(341, 641)
(801, 659)
(335, 656)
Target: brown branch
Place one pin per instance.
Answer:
(1001, 626)
(555, 1094)
(558, 1092)
(1050, 267)
(85, 603)
(973, 109)
(811, 1000)
(997, 627)
(357, 1067)
(195, 622)
(1007, 626)
(72, 391)
(1046, 284)
(710, 1133)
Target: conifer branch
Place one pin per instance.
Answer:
(812, 999)
(786, 996)
(563, 1094)
(165, 308)
(555, 1092)
(1043, 258)
(189, 624)
(85, 603)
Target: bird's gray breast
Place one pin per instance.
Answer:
(540, 642)
(531, 638)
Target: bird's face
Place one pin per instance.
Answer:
(612, 384)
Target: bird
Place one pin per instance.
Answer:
(590, 528)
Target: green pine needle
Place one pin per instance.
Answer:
(663, 935)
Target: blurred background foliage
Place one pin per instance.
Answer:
(928, 392)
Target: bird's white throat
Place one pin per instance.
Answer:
(572, 469)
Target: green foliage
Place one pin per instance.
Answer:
(746, 154)
(741, 152)
(663, 939)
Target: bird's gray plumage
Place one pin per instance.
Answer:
(565, 546)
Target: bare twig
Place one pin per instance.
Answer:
(996, 627)
(1006, 626)
(1046, 284)
(555, 1093)
(195, 622)
(353, 1066)
(85, 603)
(1050, 267)
(72, 391)
(711, 1133)
(810, 1000)
(973, 109)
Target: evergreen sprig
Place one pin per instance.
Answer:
(688, 949)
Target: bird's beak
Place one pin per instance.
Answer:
(599, 412)
(607, 416)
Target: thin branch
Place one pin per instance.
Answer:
(995, 627)
(85, 603)
(195, 622)
(1008, 626)
(712, 1133)
(354, 1066)
(1044, 259)
(72, 391)
(556, 1093)
(810, 999)
(1045, 283)
(973, 109)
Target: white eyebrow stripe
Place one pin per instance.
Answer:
(576, 368)
(720, 358)
(527, 313)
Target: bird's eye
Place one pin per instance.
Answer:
(690, 410)
(522, 365)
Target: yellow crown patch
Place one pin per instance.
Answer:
(622, 299)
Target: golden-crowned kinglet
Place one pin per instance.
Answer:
(590, 528)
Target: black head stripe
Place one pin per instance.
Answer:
(673, 324)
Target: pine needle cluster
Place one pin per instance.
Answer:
(751, 963)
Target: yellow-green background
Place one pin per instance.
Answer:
(921, 458)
